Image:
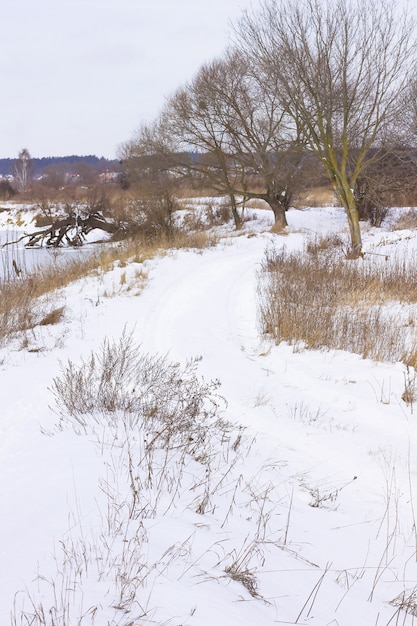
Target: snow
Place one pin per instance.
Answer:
(316, 506)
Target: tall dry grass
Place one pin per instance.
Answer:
(316, 197)
(318, 299)
(405, 220)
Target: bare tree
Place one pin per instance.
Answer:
(260, 141)
(389, 181)
(6, 190)
(341, 66)
(23, 169)
(53, 176)
(224, 130)
(176, 148)
(227, 112)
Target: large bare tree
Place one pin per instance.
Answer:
(259, 137)
(341, 67)
(225, 130)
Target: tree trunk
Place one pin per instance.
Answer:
(347, 198)
(61, 230)
(278, 207)
(236, 217)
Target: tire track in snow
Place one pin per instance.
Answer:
(209, 311)
(210, 304)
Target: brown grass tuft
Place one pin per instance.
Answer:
(406, 220)
(276, 229)
(316, 197)
(54, 317)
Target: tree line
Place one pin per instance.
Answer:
(26, 173)
(306, 89)
(66, 163)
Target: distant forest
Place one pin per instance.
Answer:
(65, 163)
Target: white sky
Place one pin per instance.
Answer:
(79, 76)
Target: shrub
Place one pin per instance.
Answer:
(122, 383)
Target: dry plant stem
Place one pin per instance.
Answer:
(313, 595)
(407, 603)
(409, 395)
(156, 425)
(287, 525)
(412, 500)
(233, 500)
(391, 506)
(239, 569)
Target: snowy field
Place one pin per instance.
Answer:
(301, 510)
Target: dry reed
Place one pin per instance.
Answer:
(316, 197)
(405, 220)
(318, 299)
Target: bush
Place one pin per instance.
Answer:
(6, 190)
(120, 384)
(152, 216)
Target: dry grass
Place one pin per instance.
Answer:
(29, 299)
(318, 299)
(277, 229)
(197, 240)
(316, 197)
(257, 203)
(406, 601)
(406, 220)
(54, 317)
(409, 395)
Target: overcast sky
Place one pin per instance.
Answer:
(79, 76)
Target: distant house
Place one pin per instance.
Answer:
(71, 178)
(108, 177)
